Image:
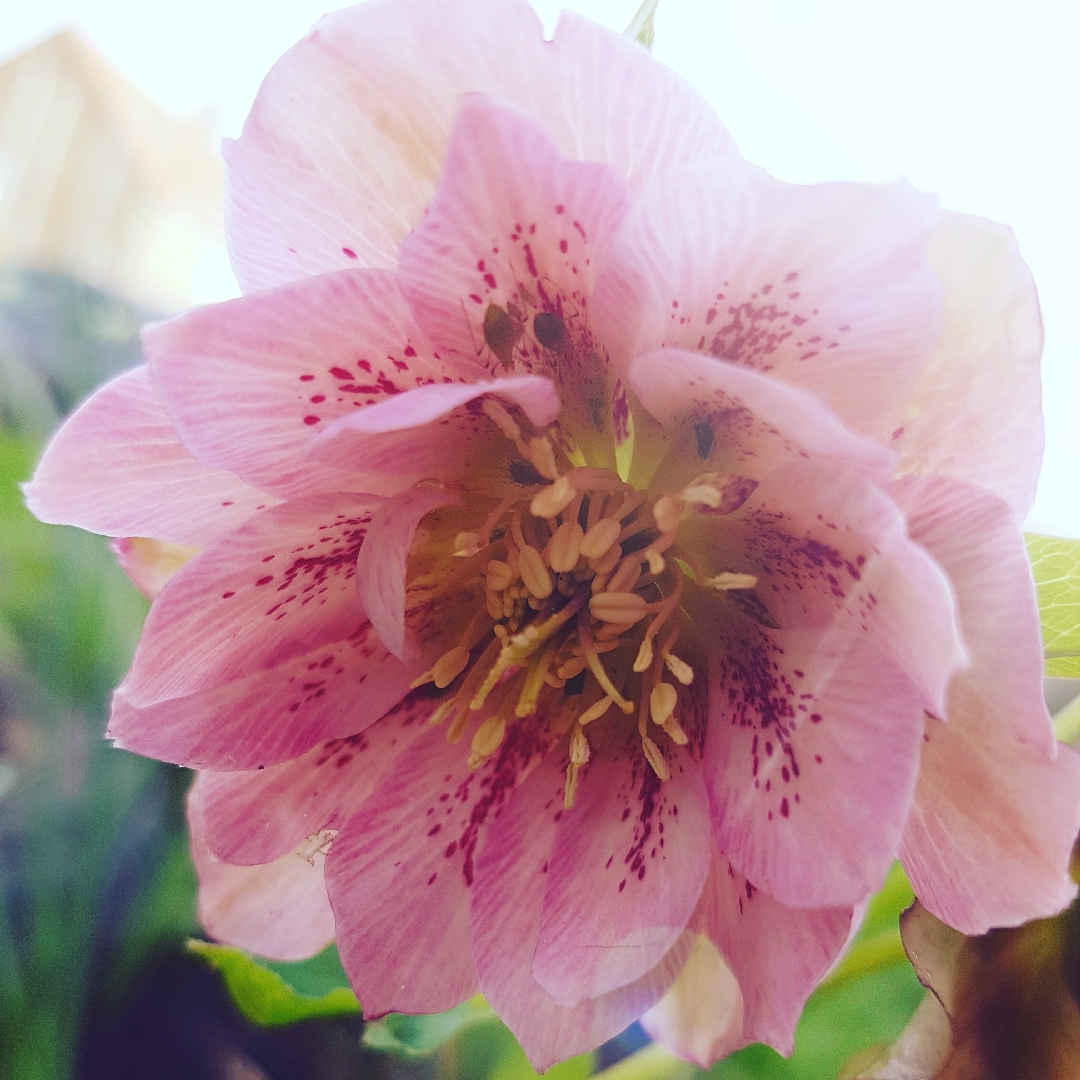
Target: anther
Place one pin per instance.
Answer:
(598, 541)
(666, 513)
(543, 457)
(570, 794)
(662, 702)
(618, 607)
(674, 731)
(626, 575)
(487, 739)
(726, 582)
(466, 544)
(655, 758)
(449, 666)
(645, 656)
(608, 561)
(553, 499)
(497, 412)
(703, 495)
(499, 575)
(566, 547)
(594, 712)
(579, 748)
(535, 574)
(679, 668)
(655, 561)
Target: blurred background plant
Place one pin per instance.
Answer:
(97, 891)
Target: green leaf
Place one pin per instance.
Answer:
(1055, 562)
(417, 1036)
(263, 996)
(314, 978)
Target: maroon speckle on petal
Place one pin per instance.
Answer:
(306, 378)
(433, 877)
(341, 373)
(784, 807)
(815, 718)
(310, 420)
(227, 595)
(348, 253)
(265, 580)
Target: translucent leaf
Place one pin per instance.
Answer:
(1055, 562)
(417, 1036)
(263, 996)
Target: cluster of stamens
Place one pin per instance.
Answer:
(582, 581)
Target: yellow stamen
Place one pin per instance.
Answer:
(422, 680)
(449, 666)
(680, 669)
(702, 495)
(579, 748)
(466, 544)
(542, 456)
(662, 702)
(675, 732)
(570, 794)
(655, 758)
(618, 607)
(566, 547)
(602, 677)
(499, 575)
(534, 681)
(535, 574)
(595, 711)
(666, 513)
(497, 412)
(486, 740)
(598, 541)
(608, 561)
(553, 500)
(626, 575)
(726, 582)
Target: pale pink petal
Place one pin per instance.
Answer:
(278, 587)
(755, 422)
(117, 467)
(414, 434)
(150, 563)
(252, 381)
(829, 551)
(995, 816)
(988, 839)
(701, 1017)
(516, 226)
(332, 692)
(811, 762)
(976, 411)
(975, 539)
(382, 564)
(638, 849)
(278, 910)
(401, 867)
(778, 954)
(825, 286)
(507, 899)
(345, 142)
(258, 815)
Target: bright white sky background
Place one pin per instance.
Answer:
(976, 100)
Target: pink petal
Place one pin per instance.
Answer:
(257, 816)
(341, 152)
(829, 550)
(250, 382)
(810, 763)
(974, 537)
(701, 1016)
(117, 467)
(825, 286)
(400, 871)
(279, 910)
(995, 815)
(988, 840)
(778, 954)
(277, 588)
(976, 412)
(638, 850)
(507, 900)
(516, 225)
(383, 560)
(150, 563)
(333, 692)
(414, 435)
(684, 390)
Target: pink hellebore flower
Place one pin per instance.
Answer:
(609, 557)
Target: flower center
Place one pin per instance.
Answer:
(581, 580)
